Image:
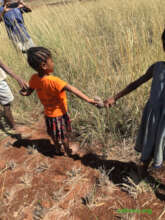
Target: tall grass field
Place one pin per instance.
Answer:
(99, 47)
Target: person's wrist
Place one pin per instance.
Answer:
(18, 80)
(89, 100)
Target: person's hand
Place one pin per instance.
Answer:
(97, 103)
(91, 101)
(6, 8)
(21, 4)
(109, 102)
(23, 92)
(23, 84)
(26, 92)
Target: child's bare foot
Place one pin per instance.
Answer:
(75, 146)
(22, 131)
(68, 151)
(158, 173)
(19, 128)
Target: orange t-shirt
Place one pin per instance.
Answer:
(49, 90)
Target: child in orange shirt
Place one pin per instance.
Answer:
(51, 92)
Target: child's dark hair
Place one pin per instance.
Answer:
(37, 55)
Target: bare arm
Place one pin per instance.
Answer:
(132, 86)
(21, 82)
(2, 14)
(79, 94)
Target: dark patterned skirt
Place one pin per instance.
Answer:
(58, 127)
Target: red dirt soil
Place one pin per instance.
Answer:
(37, 184)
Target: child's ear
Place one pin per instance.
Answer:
(43, 66)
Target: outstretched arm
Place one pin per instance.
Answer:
(79, 94)
(132, 86)
(21, 82)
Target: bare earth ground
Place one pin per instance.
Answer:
(37, 184)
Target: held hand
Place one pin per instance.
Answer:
(22, 83)
(91, 101)
(97, 103)
(21, 4)
(109, 102)
(23, 92)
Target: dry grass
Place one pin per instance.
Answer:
(99, 47)
(135, 190)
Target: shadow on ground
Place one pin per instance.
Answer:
(39, 145)
(119, 171)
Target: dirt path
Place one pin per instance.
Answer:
(37, 184)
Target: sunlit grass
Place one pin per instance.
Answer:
(99, 47)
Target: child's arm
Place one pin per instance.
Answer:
(80, 94)
(3, 11)
(20, 81)
(26, 92)
(132, 86)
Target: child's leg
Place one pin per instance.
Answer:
(9, 116)
(6, 97)
(66, 145)
(52, 130)
(66, 133)
(57, 146)
(18, 129)
(143, 167)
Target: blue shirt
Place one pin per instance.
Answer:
(14, 23)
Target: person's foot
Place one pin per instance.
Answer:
(142, 169)
(21, 130)
(68, 151)
(75, 147)
(158, 172)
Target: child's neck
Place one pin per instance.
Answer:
(42, 74)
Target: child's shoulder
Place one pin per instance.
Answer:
(53, 78)
(158, 66)
(34, 76)
(55, 82)
(158, 63)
